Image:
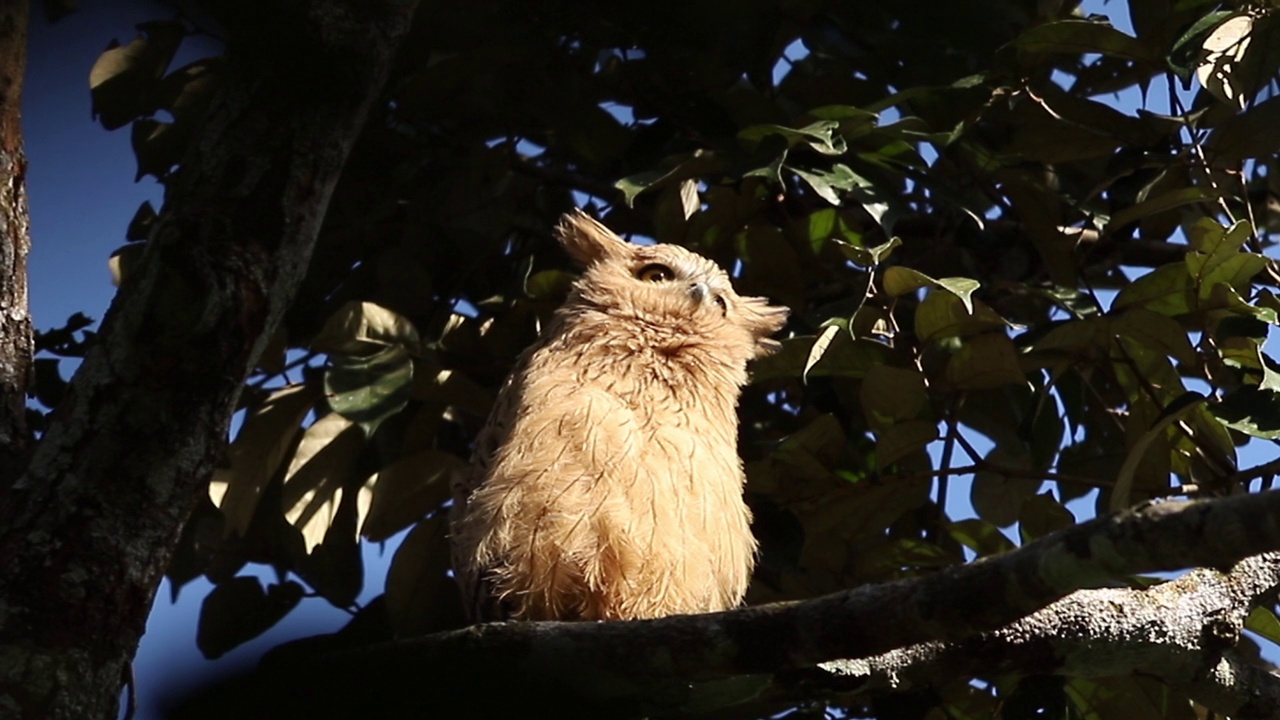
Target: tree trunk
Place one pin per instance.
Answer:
(15, 242)
(87, 531)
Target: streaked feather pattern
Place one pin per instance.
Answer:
(606, 484)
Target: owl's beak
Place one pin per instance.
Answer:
(699, 291)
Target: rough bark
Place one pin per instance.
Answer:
(87, 531)
(694, 662)
(1182, 632)
(15, 243)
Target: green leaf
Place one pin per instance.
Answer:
(872, 256)
(1251, 134)
(943, 315)
(1156, 331)
(367, 390)
(985, 361)
(1263, 621)
(677, 169)
(820, 136)
(891, 395)
(1159, 204)
(1041, 515)
(1252, 411)
(364, 329)
(844, 357)
(1168, 290)
(980, 536)
(900, 280)
(997, 498)
(824, 184)
(901, 440)
(549, 284)
(239, 610)
(1121, 494)
(1078, 37)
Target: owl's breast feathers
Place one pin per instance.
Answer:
(607, 483)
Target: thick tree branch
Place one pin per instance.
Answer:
(1182, 632)
(15, 243)
(700, 660)
(87, 531)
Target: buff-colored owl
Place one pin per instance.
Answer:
(606, 484)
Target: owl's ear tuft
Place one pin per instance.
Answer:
(588, 241)
(764, 320)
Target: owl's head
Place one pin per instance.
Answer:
(678, 297)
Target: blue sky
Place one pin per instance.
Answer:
(82, 195)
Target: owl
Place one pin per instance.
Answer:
(606, 484)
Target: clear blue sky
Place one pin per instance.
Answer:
(82, 196)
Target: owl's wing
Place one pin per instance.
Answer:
(463, 482)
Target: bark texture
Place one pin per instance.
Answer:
(87, 531)
(15, 243)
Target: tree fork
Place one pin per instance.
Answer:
(88, 529)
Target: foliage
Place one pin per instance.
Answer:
(1001, 279)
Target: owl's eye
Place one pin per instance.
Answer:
(724, 306)
(654, 272)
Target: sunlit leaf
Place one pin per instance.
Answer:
(1168, 290)
(319, 474)
(943, 315)
(124, 76)
(365, 328)
(1157, 331)
(899, 280)
(818, 349)
(1224, 50)
(264, 438)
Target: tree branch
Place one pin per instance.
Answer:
(656, 666)
(1181, 632)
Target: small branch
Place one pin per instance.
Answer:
(1258, 471)
(1011, 472)
(564, 178)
